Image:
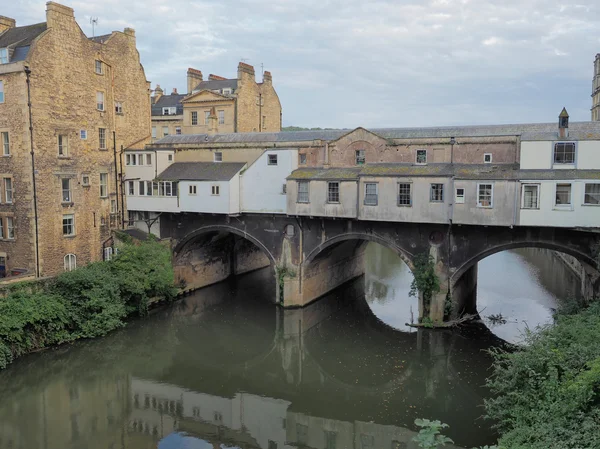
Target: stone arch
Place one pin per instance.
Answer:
(406, 256)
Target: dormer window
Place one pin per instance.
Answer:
(3, 55)
(564, 153)
(227, 91)
(171, 110)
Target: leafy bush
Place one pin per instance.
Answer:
(85, 303)
(425, 281)
(548, 391)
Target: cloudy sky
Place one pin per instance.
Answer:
(347, 63)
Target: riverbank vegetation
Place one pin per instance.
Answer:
(85, 303)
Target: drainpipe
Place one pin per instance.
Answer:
(122, 196)
(35, 207)
(516, 208)
(116, 172)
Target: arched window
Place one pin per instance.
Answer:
(70, 262)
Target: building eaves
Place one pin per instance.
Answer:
(201, 171)
(217, 85)
(100, 39)
(19, 40)
(342, 174)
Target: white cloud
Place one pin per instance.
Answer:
(346, 63)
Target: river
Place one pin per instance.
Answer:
(226, 369)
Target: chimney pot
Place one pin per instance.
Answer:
(6, 23)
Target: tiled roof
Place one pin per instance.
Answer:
(201, 171)
(577, 130)
(458, 171)
(165, 101)
(20, 38)
(100, 39)
(217, 84)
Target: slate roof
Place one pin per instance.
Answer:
(217, 85)
(100, 39)
(458, 171)
(531, 131)
(20, 39)
(201, 171)
(168, 101)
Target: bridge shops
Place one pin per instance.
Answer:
(306, 202)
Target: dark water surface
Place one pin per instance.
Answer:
(226, 369)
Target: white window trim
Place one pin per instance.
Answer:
(417, 157)
(479, 205)
(457, 198)
(101, 71)
(485, 155)
(103, 104)
(339, 192)
(72, 262)
(215, 188)
(563, 164)
(193, 190)
(220, 159)
(563, 207)
(4, 148)
(2, 92)
(410, 194)
(443, 200)
(72, 226)
(269, 159)
(538, 188)
(376, 194)
(583, 203)
(307, 183)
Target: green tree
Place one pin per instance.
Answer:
(425, 281)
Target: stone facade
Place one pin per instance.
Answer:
(83, 92)
(596, 90)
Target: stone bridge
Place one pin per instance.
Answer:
(312, 256)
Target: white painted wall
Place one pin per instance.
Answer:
(234, 195)
(204, 201)
(152, 203)
(536, 155)
(588, 155)
(539, 155)
(262, 184)
(578, 215)
(318, 205)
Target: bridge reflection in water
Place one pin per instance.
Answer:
(225, 368)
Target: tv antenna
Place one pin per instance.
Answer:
(94, 22)
(244, 60)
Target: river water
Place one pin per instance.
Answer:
(226, 369)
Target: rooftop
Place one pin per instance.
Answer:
(201, 171)
(165, 101)
(20, 38)
(217, 85)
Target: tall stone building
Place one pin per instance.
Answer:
(218, 105)
(596, 90)
(60, 168)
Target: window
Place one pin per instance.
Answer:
(131, 218)
(178, 130)
(63, 147)
(371, 194)
(193, 189)
(359, 157)
(118, 107)
(194, 118)
(85, 180)
(303, 192)
(3, 55)
(487, 158)
(113, 206)
(592, 194)
(148, 159)
(102, 138)
(8, 190)
(170, 157)
(10, 228)
(302, 434)
(83, 134)
(459, 197)
(69, 224)
(66, 190)
(221, 117)
(140, 158)
(330, 439)
(100, 101)
(142, 188)
(284, 189)
(531, 196)
(5, 144)
(165, 131)
(437, 193)
(272, 159)
(103, 185)
(1, 228)
(108, 252)
(164, 188)
(227, 91)
(264, 120)
(206, 117)
(421, 157)
(130, 188)
(563, 195)
(214, 190)
(154, 132)
(218, 156)
(564, 153)
(171, 110)
(333, 192)
(70, 262)
(302, 159)
(404, 194)
(1, 92)
(99, 67)
(485, 193)
(148, 188)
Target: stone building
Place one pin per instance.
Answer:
(596, 90)
(218, 105)
(60, 181)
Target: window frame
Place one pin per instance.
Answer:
(130, 188)
(417, 153)
(100, 101)
(103, 185)
(2, 92)
(102, 139)
(554, 153)
(585, 184)
(148, 159)
(62, 142)
(4, 56)
(165, 128)
(169, 110)
(459, 199)
(565, 206)
(302, 159)
(5, 138)
(193, 189)
(71, 225)
(218, 156)
(485, 155)
(68, 190)
(10, 228)
(272, 159)
(72, 262)
(360, 157)
(9, 190)
(221, 116)
(119, 107)
(399, 194)
(194, 118)
(491, 195)
(142, 188)
(215, 190)
(178, 130)
(331, 184)
(300, 192)
(376, 194)
(98, 67)
(83, 134)
(85, 180)
(432, 187)
(154, 132)
(206, 117)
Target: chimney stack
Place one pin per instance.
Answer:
(158, 92)
(212, 121)
(245, 73)
(213, 77)
(174, 91)
(194, 77)
(267, 78)
(563, 124)
(58, 15)
(6, 23)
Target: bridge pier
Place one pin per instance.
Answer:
(464, 293)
